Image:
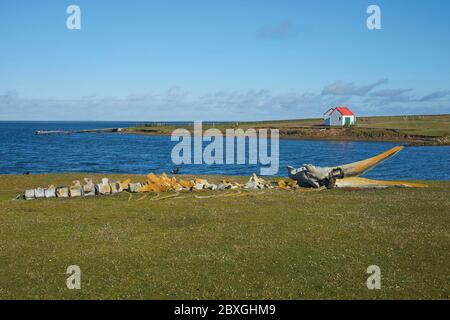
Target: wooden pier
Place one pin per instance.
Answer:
(59, 132)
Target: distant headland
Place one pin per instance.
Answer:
(427, 130)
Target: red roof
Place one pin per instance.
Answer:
(344, 111)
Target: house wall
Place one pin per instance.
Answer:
(336, 119)
(352, 121)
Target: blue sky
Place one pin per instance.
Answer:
(221, 60)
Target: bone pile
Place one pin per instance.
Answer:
(257, 183)
(154, 184)
(79, 190)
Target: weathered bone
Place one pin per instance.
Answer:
(39, 193)
(257, 183)
(134, 187)
(62, 192)
(103, 188)
(310, 176)
(76, 190)
(88, 188)
(29, 194)
(356, 182)
(50, 192)
(344, 176)
(358, 168)
(123, 185)
(114, 186)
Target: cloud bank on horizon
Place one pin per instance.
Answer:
(222, 60)
(176, 104)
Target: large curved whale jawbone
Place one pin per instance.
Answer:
(358, 168)
(363, 183)
(346, 176)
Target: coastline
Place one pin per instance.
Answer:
(415, 130)
(411, 141)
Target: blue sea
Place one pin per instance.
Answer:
(22, 151)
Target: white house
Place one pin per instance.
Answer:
(339, 116)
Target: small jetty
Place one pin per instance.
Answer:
(59, 131)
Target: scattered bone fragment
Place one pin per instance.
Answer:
(178, 187)
(286, 185)
(133, 187)
(256, 182)
(154, 187)
(50, 192)
(187, 185)
(114, 186)
(123, 185)
(76, 190)
(212, 187)
(88, 188)
(201, 184)
(282, 184)
(251, 185)
(103, 188)
(198, 186)
(158, 184)
(39, 193)
(163, 183)
(223, 186)
(62, 192)
(293, 184)
(29, 194)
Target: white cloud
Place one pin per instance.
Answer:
(437, 95)
(341, 88)
(178, 104)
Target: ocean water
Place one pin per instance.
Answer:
(22, 151)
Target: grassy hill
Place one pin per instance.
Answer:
(274, 244)
(422, 130)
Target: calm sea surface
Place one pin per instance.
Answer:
(21, 151)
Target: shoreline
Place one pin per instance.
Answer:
(409, 141)
(416, 130)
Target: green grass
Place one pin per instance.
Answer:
(276, 245)
(434, 126)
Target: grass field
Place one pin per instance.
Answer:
(277, 244)
(432, 126)
(424, 130)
